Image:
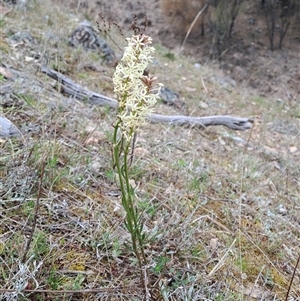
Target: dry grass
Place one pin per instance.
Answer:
(221, 208)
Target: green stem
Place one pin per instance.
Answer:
(132, 222)
(137, 225)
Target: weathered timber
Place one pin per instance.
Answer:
(69, 87)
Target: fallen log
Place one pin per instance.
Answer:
(71, 88)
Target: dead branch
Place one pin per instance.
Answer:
(71, 88)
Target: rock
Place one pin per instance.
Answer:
(84, 35)
(11, 1)
(170, 97)
(21, 38)
(224, 82)
(7, 129)
(4, 10)
(203, 105)
(239, 59)
(239, 73)
(6, 72)
(285, 127)
(96, 166)
(198, 66)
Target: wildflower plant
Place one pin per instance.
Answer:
(136, 97)
(133, 86)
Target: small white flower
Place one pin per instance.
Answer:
(134, 90)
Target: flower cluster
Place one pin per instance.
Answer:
(133, 86)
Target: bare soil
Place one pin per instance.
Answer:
(247, 59)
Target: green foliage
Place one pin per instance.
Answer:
(28, 99)
(78, 281)
(198, 184)
(136, 100)
(40, 244)
(259, 100)
(54, 280)
(268, 278)
(133, 219)
(136, 172)
(160, 264)
(179, 164)
(110, 175)
(147, 206)
(242, 264)
(116, 252)
(170, 56)
(296, 112)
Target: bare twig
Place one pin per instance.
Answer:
(221, 262)
(292, 279)
(93, 290)
(193, 24)
(36, 210)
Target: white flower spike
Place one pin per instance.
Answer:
(133, 86)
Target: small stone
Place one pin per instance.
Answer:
(293, 149)
(95, 166)
(197, 66)
(281, 209)
(140, 152)
(203, 105)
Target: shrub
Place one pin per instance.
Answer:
(183, 12)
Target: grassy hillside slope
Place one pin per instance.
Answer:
(221, 208)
